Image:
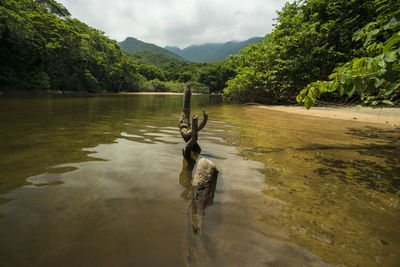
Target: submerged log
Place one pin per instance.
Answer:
(189, 131)
(204, 184)
(205, 172)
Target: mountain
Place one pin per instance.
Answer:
(175, 50)
(212, 52)
(156, 58)
(155, 55)
(149, 53)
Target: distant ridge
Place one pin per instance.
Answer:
(150, 53)
(156, 55)
(212, 52)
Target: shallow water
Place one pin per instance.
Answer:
(100, 181)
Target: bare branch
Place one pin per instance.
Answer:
(204, 122)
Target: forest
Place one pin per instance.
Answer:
(42, 47)
(340, 51)
(336, 50)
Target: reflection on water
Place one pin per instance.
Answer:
(101, 181)
(199, 251)
(337, 181)
(185, 178)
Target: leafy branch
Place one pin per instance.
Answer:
(377, 75)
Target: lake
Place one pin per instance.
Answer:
(101, 181)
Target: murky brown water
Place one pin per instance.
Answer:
(100, 181)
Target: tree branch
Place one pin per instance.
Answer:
(193, 140)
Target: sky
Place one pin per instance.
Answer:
(178, 22)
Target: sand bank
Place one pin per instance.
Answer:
(388, 116)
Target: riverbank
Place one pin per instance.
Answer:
(155, 93)
(23, 92)
(388, 116)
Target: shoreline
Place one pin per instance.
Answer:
(21, 92)
(387, 116)
(155, 93)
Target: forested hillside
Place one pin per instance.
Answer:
(149, 52)
(212, 52)
(339, 50)
(155, 58)
(312, 38)
(41, 47)
(171, 71)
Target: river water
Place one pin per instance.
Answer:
(100, 181)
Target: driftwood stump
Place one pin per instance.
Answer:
(189, 131)
(203, 185)
(201, 189)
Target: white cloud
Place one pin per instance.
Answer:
(177, 22)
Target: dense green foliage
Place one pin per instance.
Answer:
(171, 67)
(155, 58)
(212, 52)
(310, 39)
(376, 75)
(215, 76)
(353, 43)
(212, 75)
(41, 47)
(150, 53)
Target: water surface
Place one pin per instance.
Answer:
(100, 181)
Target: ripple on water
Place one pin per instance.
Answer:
(291, 190)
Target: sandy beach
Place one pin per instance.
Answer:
(388, 116)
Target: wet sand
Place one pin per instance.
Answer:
(388, 116)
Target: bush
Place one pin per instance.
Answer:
(90, 82)
(40, 80)
(175, 86)
(199, 88)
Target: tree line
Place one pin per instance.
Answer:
(42, 47)
(324, 48)
(329, 49)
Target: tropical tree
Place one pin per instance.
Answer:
(310, 39)
(375, 75)
(41, 47)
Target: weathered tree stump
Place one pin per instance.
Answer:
(189, 131)
(204, 182)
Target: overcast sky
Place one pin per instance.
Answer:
(177, 22)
